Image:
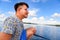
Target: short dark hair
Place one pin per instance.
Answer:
(20, 4)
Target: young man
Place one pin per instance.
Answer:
(13, 25)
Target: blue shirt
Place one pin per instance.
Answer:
(23, 35)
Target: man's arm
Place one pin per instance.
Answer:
(4, 36)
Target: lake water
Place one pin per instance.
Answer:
(50, 32)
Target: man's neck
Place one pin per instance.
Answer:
(19, 16)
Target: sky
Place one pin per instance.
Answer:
(40, 11)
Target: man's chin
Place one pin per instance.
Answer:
(26, 16)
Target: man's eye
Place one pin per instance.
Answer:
(25, 9)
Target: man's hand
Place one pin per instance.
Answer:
(30, 32)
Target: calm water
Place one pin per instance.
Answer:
(50, 32)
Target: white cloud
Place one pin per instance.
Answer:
(33, 12)
(6, 0)
(39, 1)
(35, 20)
(11, 13)
(51, 19)
(41, 20)
(26, 20)
(2, 17)
(51, 22)
(35, 0)
(56, 15)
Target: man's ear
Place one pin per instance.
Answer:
(18, 9)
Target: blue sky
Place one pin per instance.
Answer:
(44, 10)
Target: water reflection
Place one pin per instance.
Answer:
(50, 32)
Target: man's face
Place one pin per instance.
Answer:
(24, 11)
